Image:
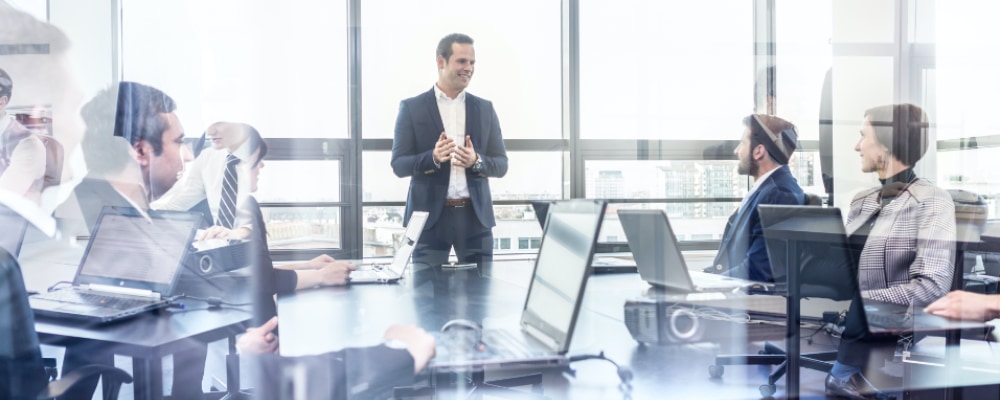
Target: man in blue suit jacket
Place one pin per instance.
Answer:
(449, 143)
(767, 144)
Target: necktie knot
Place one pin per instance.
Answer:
(232, 160)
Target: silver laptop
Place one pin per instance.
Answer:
(14, 227)
(659, 259)
(131, 265)
(553, 303)
(385, 273)
(826, 262)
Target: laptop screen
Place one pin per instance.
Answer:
(409, 240)
(14, 226)
(654, 246)
(127, 249)
(561, 269)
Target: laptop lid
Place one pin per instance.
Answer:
(404, 249)
(129, 250)
(654, 247)
(561, 271)
(541, 208)
(14, 227)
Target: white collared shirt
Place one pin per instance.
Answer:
(756, 184)
(203, 180)
(453, 117)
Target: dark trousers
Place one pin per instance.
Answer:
(457, 227)
(857, 345)
(189, 369)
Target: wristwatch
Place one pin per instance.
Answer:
(479, 163)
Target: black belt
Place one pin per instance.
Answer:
(458, 202)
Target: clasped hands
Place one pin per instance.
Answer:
(460, 156)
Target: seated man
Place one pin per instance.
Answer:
(373, 371)
(767, 144)
(22, 154)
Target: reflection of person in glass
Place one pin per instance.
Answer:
(22, 153)
(765, 148)
(449, 143)
(907, 226)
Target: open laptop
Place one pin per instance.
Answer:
(14, 227)
(130, 265)
(659, 259)
(602, 263)
(553, 303)
(385, 273)
(827, 263)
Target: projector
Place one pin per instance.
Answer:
(689, 318)
(219, 258)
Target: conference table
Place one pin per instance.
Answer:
(328, 319)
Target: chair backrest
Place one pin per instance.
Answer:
(22, 371)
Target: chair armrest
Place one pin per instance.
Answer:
(114, 378)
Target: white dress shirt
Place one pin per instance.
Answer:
(453, 116)
(203, 180)
(26, 171)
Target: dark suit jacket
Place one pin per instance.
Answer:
(742, 252)
(418, 127)
(352, 373)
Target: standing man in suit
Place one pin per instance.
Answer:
(767, 144)
(449, 143)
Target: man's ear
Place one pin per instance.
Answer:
(143, 152)
(3, 102)
(759, 152)
(441, 62)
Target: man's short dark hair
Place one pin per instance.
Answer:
(6, 84)
(785, 133)
(901, 128)
(444, 46)
(101, 150)
(139, 114)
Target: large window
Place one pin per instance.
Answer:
(517, 59)
(665, 70)
(281, 67)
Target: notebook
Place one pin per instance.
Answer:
(602, 263)
(552, 305)
(659, 259)
(385, 273)
(14, 226)
(828, 263)
(130, 265)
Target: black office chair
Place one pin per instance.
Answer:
(773, 354)
(24, 374)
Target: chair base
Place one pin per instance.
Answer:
(773, 355)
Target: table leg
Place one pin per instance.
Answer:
(147, 378)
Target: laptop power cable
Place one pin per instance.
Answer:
(213, 302)
(624, 373)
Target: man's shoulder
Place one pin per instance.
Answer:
(423, 96)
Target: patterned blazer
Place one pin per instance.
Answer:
(909, 256)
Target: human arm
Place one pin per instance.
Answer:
(331, 273)
(410, 158)
(27, 165)
(756, 264)
(260, 340)
(966, 306)
(364, 372)
(492, 151)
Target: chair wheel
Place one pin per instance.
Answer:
(767, 390)
(716, 371)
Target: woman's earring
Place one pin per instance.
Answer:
(880, 163)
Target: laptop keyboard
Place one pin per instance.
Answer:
(76, 297)
(495, 344)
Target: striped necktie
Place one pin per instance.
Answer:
(227, 207)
